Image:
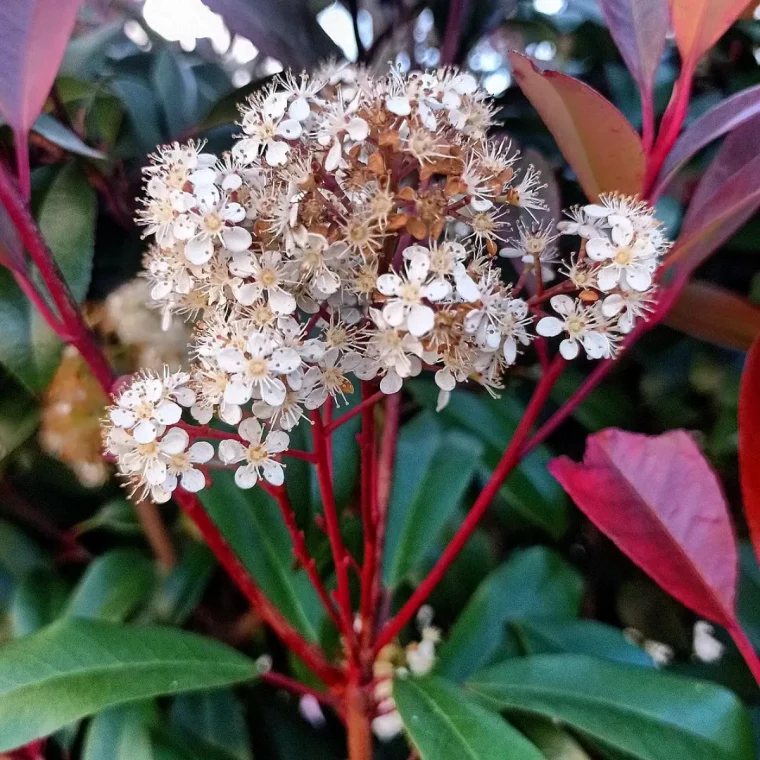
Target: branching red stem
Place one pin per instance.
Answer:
(366, 403)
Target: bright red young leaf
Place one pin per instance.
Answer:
(596, 139)
(725, 199)
(661, 504)
(749, 442)
(699, 24)
(33, 36)
(639, 28)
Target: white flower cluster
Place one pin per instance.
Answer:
(352, 233)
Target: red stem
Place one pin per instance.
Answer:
(280, 681)
(23, 172)
(452, 36)
(340, 556)
(76, 331)
(508, 460)
(213, 537)
(647, 122)
(280, 495)
(367, 402)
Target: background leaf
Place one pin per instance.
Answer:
(118, 734)
(699, 24)
(637, 711)
(749, 443)
(444, 724)
(33, 36)
(76, 668)
(602, 148)
(534, 583)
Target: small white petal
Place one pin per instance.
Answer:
(145, 432)
(391, 383)
(569, 349)
(193, 480)
(608, 278)
(199, 250)
(290, 129)
(123, 418)
(358, 129)
(231, 451)
(277, 153)
(639, 278)
(273, 472)
(563, 305)
(612, 305)
(420, 320)
(389, 284)
(174, 442)
(250, 429)
(277, 441)
(236, 239)
(246, 477)
(549, 327)
(299, 109)
(394, 313)
(332, 161)
(201, 452)
(599, 249)
(399, 106)
(168, 413)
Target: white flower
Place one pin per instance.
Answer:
(630, 305)
(328, 378)
(627, 260)
(582, 327)
(706, 647)
(179, 464)
(268, 275)
(214, 218)
(257, 369)
(405, 307)
(340, 124)
(257, 456)
(150, 403)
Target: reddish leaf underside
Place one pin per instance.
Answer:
(598, 142)
(33, 37)
(658, 500)
(749, 443)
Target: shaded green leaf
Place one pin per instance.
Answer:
(19, 554)
(38, 599)
(216, 719)
(444, 724)
(579, 637)
(120, 733)
(174, 81)
(79, 667)
(251, 522)
(225, 110)
(534, 583)
(637, 711)
(433, 470)
(113, 586)
(52, 129)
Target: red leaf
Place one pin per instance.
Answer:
(598, 142)
(718, 121)
(662, 506)
(699, 24)
(725, 199)
(749, 442)
(33, 37)
(639, 28)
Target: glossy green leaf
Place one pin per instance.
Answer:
(216, 719)
(38, 599)
(252, 523)
(59, 134)
(638, 712)
(534, 583)
(554, 742)
(175, 84)
(116, 515)
(67, 220)
(579, 637)
(142, 112)
(120, 733)
(529, 490)
(113, 586)
(225, 110)
(433, 470)
(445, 724)
(79, 667)
(20, 554)
(180, 591)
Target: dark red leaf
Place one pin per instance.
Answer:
(749, 442)
(639, 28)
(718, 121)
(661, 504)
(725, 199)
(33, 36)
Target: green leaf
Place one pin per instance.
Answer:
(554, 742)
(118, 734)
(216, 719)
(529, 490)
(534, 583)
(113, 586)
(433, 470)
(180, 591)
(19, 414)
(225, 110)
(174, 81)
(19, 554)
(636, 711)
(579, 637)
(67, 220)
(52, 129)
(444, 724)
(39, 598)
(116, 515)
(142, 111)
(76, 667)
(251, 522)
